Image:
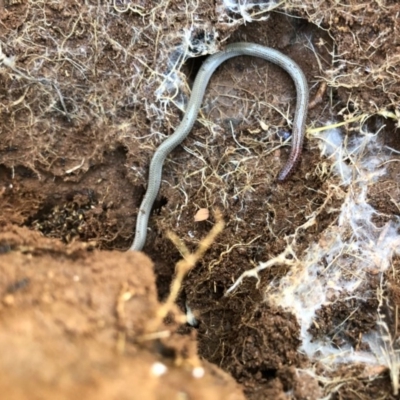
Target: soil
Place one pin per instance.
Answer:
(87, 93)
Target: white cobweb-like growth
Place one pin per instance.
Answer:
(246, 10)
(341, 260)
(172, 81)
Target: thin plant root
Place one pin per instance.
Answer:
(184, 266)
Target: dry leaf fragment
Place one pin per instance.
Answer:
(202, 215)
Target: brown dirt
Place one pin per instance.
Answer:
(79, 124)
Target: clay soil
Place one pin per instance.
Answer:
(87, 93)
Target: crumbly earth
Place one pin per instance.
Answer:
(88, 90)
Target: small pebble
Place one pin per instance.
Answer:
(158, 369)
(198, 372)
(8, 300)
